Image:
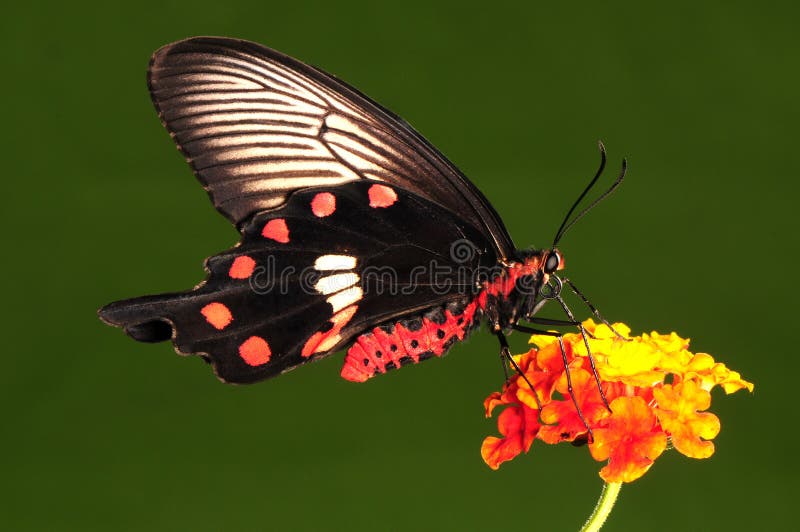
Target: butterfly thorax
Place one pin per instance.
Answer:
(509, 295)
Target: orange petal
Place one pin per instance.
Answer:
(496, 450)
(680, 413)
(544, 383)
(494, 399)
(563, 421)
(631, 440)
(518, 425)
(710, 373)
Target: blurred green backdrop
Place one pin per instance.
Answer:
(103, 433)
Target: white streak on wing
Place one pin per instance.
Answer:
(246, 128)
(225, 80)
(345, 298)
(297, 166)
(354, 160)
(247, 96)
(342, 142)
(280, 155)
(291, 183)
(263, 105)
(259, 71)
(328, 343)
(335, 262)
(298, 142)
(229, 117)
(341, 123)
(335, 283)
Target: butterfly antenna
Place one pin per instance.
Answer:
(592, 205)
(597, 175)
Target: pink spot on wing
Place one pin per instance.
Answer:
(323, 341)
(217, 315)
(255, 351)
(242, 267)
(323, 204)
(381, 196)
(276, 230)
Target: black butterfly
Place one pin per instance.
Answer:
(356, 232)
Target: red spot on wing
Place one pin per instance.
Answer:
(217, 315)
(381, 196)
(255, 351)
(242, 267)
(324, 341)
(323, 204)
(277, 230)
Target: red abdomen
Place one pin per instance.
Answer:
(409, 341)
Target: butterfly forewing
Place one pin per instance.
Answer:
(256, 125)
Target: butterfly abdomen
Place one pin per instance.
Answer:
(409, 341)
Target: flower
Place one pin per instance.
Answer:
(650, 390)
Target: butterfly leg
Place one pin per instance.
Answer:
(559, 336)
(505, 368)
(584, 334)
(592, 308)
(505, 352)
(531, 330)
(557, 323)
(573, 322)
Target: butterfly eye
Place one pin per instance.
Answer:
(552, 262)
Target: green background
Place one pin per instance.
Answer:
(100, 432)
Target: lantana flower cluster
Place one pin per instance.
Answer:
(657, 390)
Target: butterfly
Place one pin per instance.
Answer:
(356, 233)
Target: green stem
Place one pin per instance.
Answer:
(604, 505)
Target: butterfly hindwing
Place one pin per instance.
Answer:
(310, 276)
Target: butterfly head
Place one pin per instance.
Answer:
(538, 266)
(552, 261)
(549, 285)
